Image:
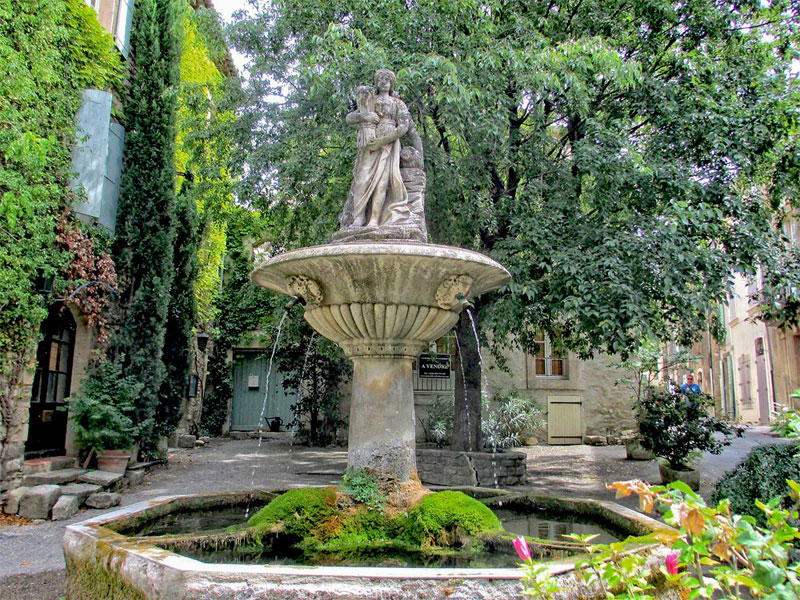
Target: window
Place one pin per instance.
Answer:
(51, 384)
(546, 362)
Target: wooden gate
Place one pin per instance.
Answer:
(249, 389)
(564, 420)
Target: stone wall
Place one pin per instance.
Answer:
(607, 409)
(13, 433)
(481, 469)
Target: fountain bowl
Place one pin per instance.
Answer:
(100, 560)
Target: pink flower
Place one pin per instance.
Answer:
(521, 546)
(671, 563)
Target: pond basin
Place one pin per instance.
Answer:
(160, 550)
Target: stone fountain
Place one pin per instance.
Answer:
(380, 291)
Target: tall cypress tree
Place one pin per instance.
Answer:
(181, 314)
(145, 232)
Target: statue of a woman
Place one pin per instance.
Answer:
(378, 197)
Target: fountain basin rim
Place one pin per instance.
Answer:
(147, 548)
(398, 249)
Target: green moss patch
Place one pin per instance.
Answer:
(449, 519)
(86, 580)
(296, 512)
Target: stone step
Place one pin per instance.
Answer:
(58, 477)
(104, 479)
(38, 501)
(52, 463)
(80, 490)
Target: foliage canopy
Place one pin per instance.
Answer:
(622, 159)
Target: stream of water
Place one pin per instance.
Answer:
(261, 421)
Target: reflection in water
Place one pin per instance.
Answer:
(548, 527)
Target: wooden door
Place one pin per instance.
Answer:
(250, 394)
(564, 420)
(47, 428)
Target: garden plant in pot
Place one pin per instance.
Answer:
(677, 428)
(101, 414)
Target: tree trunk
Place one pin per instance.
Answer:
(467, 408)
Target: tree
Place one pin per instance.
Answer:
(181, 314)
(145, 231)
(622, 159)
(315, 367)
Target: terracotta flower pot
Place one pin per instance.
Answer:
(114, 461)
(669, 475)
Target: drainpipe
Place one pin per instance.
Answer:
(771, 369)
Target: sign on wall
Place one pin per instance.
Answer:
(433, 366)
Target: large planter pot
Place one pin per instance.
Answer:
(114, 461)
(635, 451)
(670, 475)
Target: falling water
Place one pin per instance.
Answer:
(483, 389)
(477, 339)
(261, 421)
(296, 424)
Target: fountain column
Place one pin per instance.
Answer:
(382, 430)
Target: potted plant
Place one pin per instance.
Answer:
(643, 370)
(676, 428)
(102, 416)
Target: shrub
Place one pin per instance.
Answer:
(438, 425)
(676, 426)
(102, 412)
(760, 476)
(296, 512)
(447, 518)
(513, 415)
(361, 486)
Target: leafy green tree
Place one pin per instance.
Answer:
(622, 158)
(181, 314)
(145, 231)
(243, 307)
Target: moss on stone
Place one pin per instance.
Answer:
(296, 512)
(86, 580)
(356, 526)
(449, 519)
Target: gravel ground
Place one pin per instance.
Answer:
(32, 563)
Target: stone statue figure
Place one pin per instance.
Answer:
(387, 196)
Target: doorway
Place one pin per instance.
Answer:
(47, 428)
(249, 389)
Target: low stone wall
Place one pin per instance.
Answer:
(481, 469)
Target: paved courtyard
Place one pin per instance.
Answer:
(32, 564)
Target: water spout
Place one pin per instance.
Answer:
(294, 302)
(462, 300)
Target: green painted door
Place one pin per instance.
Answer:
(249, 389)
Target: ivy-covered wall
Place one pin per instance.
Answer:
(49, 52)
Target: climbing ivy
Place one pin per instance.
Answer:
(49, 52)
(243, 307)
